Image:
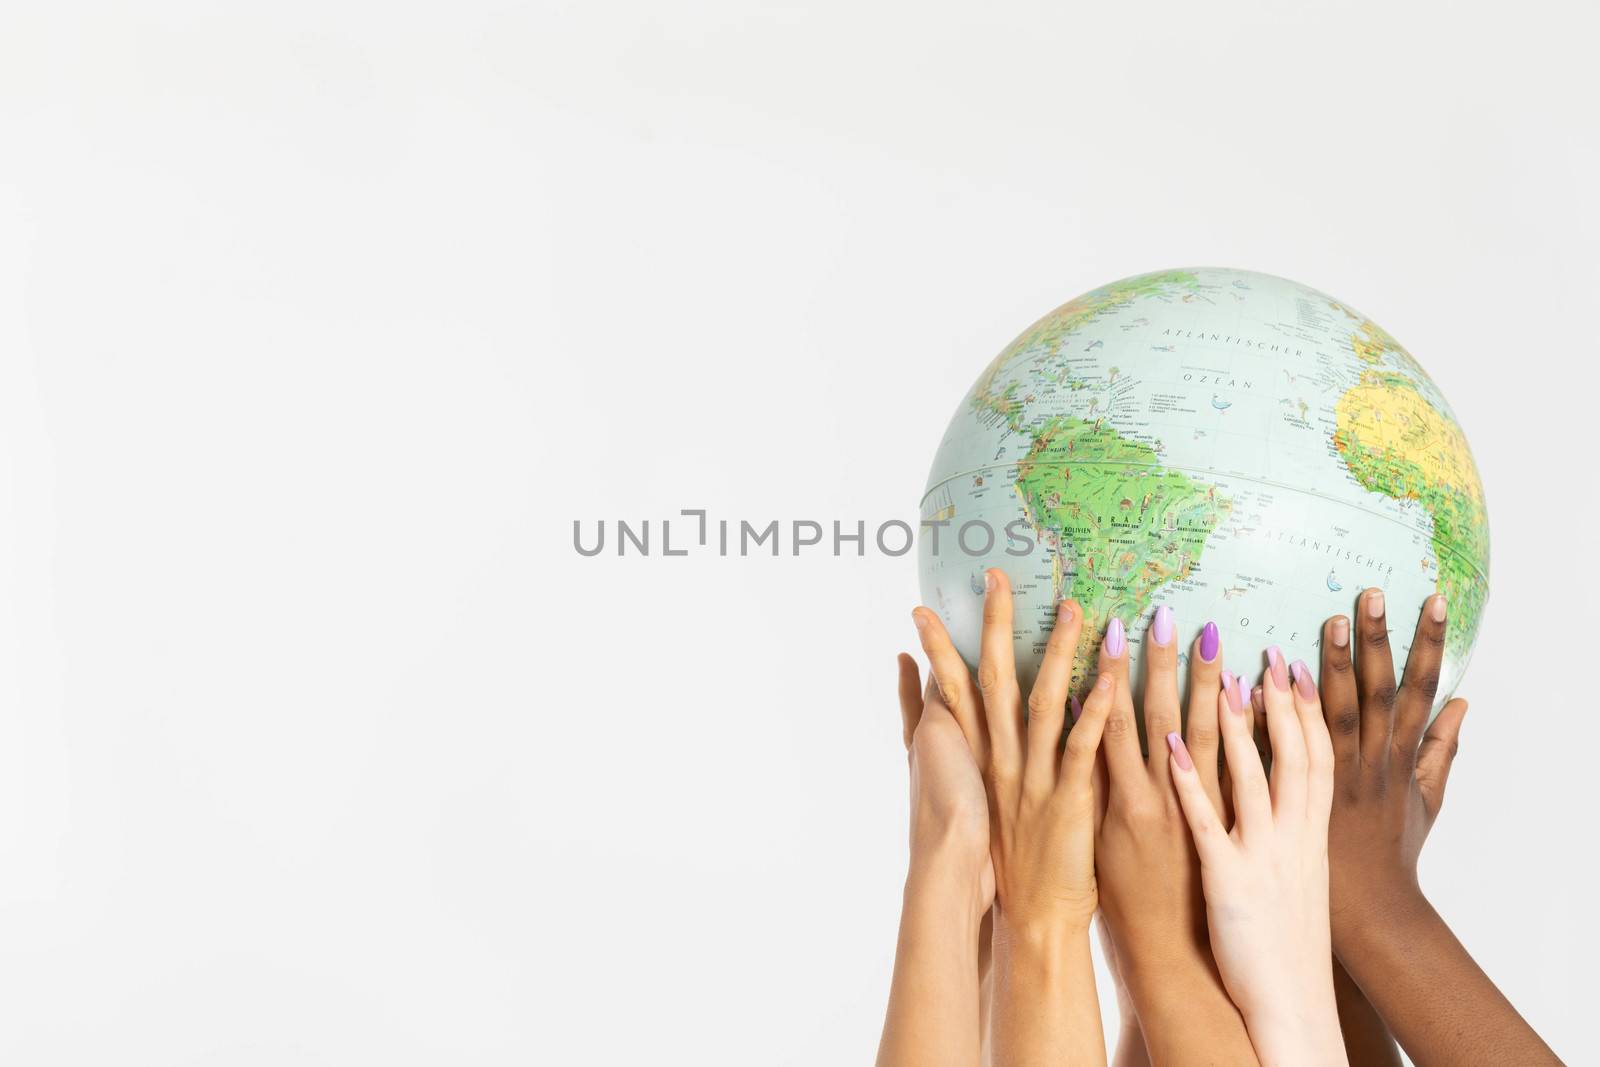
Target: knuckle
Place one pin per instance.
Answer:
(1340, 664)
(1433, 637)
(1203, 735)
(1376, 637)
(1078, 743)
(988, 676)
(1117, 726)
(1383, 695)
(1428, 683)
(1346, 722)
(1040, 704)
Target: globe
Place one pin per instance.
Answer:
(1240, 447)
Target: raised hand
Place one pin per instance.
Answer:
(934, 1015)
(1266, 879)
(1390, 770)
(1041, 809)
(1149, 875)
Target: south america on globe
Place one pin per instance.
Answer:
(1240, 447)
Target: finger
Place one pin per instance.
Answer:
(949, 673)
(1438, 754)
(1319, 750)
(1252, 805)
(1124, 764)
(1210, 839)
(997, 683)
(1047, 702)
(1288, 739)
(1083, 740)
(1161, 709)
(1258, 726)
(1205, 669)
(1374, 678)
(910, 698)
(1420, 683)
(1341, 707)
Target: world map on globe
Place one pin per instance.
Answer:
(1240, 447)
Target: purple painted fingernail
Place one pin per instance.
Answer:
(1161, 628)
(1209, 640)
(1116, 639)
(1302, 680)
(1276, 668)
(1077, 707)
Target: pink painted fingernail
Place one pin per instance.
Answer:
(1161, 628)
(1275, 668)
(1116, 639)
(1209, 640)
(1302, 680)
(1077, 707)
(1231, 691)
(1180, 752)
(1244, 692)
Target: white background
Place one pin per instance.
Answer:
(321, 323)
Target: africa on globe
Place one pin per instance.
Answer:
(1239, 447)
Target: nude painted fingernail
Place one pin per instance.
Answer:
(1339, 632)
(1231, 691)
(1209, 640)
(1116, 639)
(1276, 669)
(1302, 680)
(1180, 752)
(1077, 708)
(1375, 604)
(1161, 627)
(920, 620)
(1439, 609)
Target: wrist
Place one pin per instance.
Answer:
(1040, 946)
(1378, 914)
(946, 882)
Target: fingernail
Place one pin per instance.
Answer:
(1231, 691)
(1275, 668)
(1064, 612)
(1375, 604)
(988, 581)
(1116, 639)
(1209, 640)
(1340, 632)
(1257, 701)
(1439, 608)
(1244, 692)
(920, 620)
(1302, 680)
(1180, 752)
(1077, 708)
(1161, 628)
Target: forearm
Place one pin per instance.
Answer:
(1437, 1001)
(1186, 1016)
(1045, 1009)
(1367, 1041)
(933, 1003)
